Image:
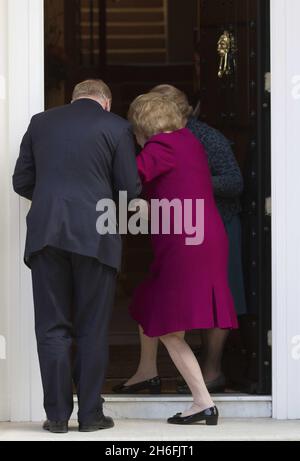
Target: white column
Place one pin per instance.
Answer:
(4, 186)
(285, 15)
(25, 97)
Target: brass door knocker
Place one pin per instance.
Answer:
(227, 50)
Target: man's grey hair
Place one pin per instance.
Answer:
(92, 88)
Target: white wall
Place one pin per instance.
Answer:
(285, 199)
(4, 168)
(21, 37)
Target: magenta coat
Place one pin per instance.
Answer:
(187, 287)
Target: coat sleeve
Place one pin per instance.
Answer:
(25, 172)
(227, 177)
(154, 161)
(226, 174)
(125, 173)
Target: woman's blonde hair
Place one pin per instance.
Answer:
(152, 113)
(177, 96)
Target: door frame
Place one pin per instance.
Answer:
(285, 118)
(25, 96)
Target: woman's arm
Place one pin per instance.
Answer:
(154, 161)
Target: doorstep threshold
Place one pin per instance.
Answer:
(234, 397)
(163, 406)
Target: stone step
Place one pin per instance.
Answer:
(164, 406)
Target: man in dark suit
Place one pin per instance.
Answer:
(71, 157)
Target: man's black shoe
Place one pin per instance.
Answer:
(101, 422)
(56, 427)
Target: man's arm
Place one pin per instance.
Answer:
(125, 173)
(24, 175)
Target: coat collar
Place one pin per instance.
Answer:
(88, 101)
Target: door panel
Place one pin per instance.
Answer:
(239, 107)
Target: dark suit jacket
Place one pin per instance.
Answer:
(70, 158)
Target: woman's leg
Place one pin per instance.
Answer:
(214, 343)
(147, 368)
(188, 366)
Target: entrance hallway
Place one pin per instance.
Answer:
(134, 45)
(153, 430)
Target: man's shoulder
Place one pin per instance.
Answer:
(49, 113)
(109, 121)
(117, 121)
(114, 126)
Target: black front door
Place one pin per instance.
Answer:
(135, 45)
(235, 98)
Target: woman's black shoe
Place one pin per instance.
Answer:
(210, 416)
(153, 386)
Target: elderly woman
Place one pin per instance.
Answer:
(187, 287)
(227, 185)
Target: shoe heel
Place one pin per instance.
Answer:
(212, 421)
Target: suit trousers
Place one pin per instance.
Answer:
(73, 298)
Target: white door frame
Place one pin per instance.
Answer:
(25, 97)
(285, 214)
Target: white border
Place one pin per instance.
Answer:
(25, 89)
